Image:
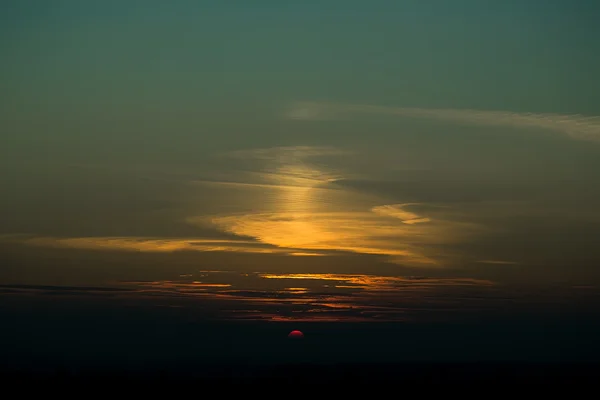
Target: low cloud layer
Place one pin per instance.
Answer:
(326, 297)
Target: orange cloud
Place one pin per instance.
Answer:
(299, 206)
(152, 245)
(321, 297)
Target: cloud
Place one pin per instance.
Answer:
(305, 111)
(356, 232)
(380, 283)
(398, 211)
(287, 153)
(286, 203)
(65, 288)
(497, 262)
(576, 126)
(317, 297)
(148, 244)
(57, 290)
(318, 234)
(322, 297)
(297, 204)
(402, 236)
(278, 167)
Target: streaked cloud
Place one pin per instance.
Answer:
(325, 297)
(497, 262)
(405, 241)
(576, 126)
(70, 289)
(283, 201)
(352, 232)
(278, 237)
(287, 153)
(152, 245)
(299, 205)
(287, 201)
(399, 211)
(319, 297)
(378, 283)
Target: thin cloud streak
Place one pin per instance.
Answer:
(576, 126)
(152, 245)
(497, 262)
(374, 282)
(287, 153)
(398, 211)
(321, 297)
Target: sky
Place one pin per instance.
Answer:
(398, 167)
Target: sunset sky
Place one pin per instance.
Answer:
(309, 164)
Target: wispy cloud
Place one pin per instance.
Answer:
(293, 234)
(380, 283)
(322, 297)
(497, 262)
(574, 125)
(399, 211)
(148, 244)
(405, 241)
(70, 289)
(287, 153)
(299, 205)
(319, 297)
(284, 202)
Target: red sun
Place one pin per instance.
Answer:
(296, 335)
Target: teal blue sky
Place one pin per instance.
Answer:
(532, 56)
(198, 66)
(455, 139)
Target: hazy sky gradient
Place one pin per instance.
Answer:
(144, 140)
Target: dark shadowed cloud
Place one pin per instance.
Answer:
(314, 297)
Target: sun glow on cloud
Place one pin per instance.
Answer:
(352, 232)
(374, 282)
(300, 206)
(286, 203)
(152, 245)
(397, 211)
(322, 297)
(319, 297)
